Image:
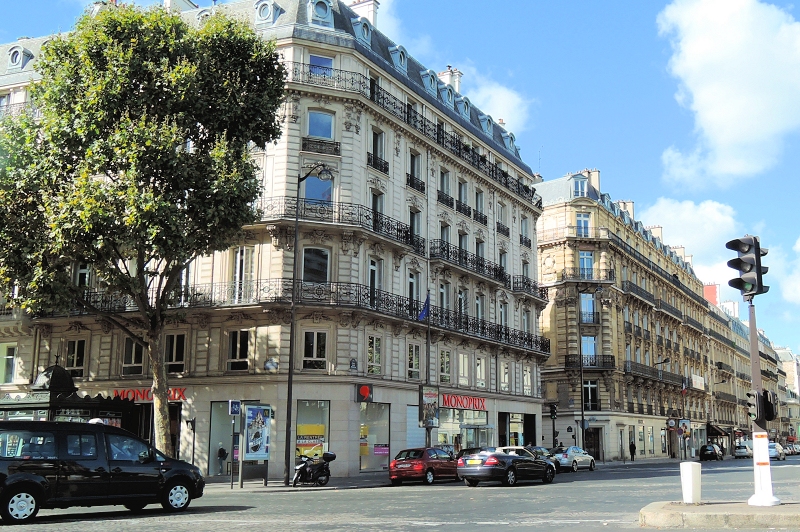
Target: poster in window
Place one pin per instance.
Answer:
(428, 406)
(257, 431)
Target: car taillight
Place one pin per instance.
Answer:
(417, 465)
(460, 462)
(393, 464)
(491, 461)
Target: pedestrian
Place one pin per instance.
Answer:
(222, 455)
(632, 447)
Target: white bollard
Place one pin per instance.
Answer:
(690, 482)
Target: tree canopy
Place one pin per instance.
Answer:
(136, 161)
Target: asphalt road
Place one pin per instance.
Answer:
(608, 499)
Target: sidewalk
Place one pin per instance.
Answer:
(716, 515)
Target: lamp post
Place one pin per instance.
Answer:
(598, 289)
(323, 174)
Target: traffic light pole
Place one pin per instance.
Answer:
(763, 477)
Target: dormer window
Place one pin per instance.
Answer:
(363, 30)
(320, 13)
(203, 14)
(447, 94)
(399, 58)
(509, 140)
(18, 57)
(487, 124)
(463, 106)
(579, 190)
(430, 81)
(267, 12)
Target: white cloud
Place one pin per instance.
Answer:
(496, 99)
(738, 67)
(389, 23)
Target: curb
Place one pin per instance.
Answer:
(719, 515)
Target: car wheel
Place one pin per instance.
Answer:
(549, 475)
(471, 482)
(591, 466)
(19, 505)
(396, 481)
(511, 477)
(429, 478)
(135, 507)
(322, 480)
(176, 497)
(574, 466)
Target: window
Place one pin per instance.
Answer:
(580, 188)
(526, 269)
(315, 350)
(463, 189)
(591, 397)
(479, 200)
(587, 308)
(377, 143)
(444, 295)
(413, 361)
(586, 259)
(462, 303)
(505, 376)
(413, 165)
(480, 372)
(8, 353)
(480, 249)
(316, 191)
(527, 386)
(238, 347)
(377, 206)
(81, 274)
(126, 449)
(503, 260)
(81, 445)
(243, 274)
(444, 182)
(463, 369)
(375, 280)
(413, 286)
(526, 321)
(28, 445)
(444, 367)
(588, 350)
(174, 352)
(320, 125)
(374, 358)
(414, 222)
(76, 351)
(133, 358)
(315, 265)
(503, 314)
(480, 306)
(523, 226)
(320, 66)
(582, 224)
(501, 213)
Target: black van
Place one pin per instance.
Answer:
(47, 464)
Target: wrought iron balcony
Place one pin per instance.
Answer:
(328, 147)
(669, 309)
(463, 208)
(445, 199)
(357, 82)
(693, 323)
(714, 334)
(646, 333)
(590, 318)
(590, 361)
(650, 372)
(525, 241)
(632, 288)
(628, 327)
(526, 285)
(13, 109)
(469, 261)
(659, 340)
(668, 343)
(587, 274)
(637, 331)
(722, 366)
(377, 163)
(729, 397)
(572, 231)
(415, 183)
(480, 217)
(503, 230)
(346, 214)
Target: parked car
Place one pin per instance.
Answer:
(796, 447)
(743, 451)
(426, 464)
(710, 452)
(57, 465)
(788, 449)
(507, 464)
(776, 451)
(573, 458)
(546, 453)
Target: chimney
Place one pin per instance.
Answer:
(627, 206)
(594, 180)
(657, 232)
(367, 9)
(452, 77)
(501, 122)
(179, 5)
(711, 293)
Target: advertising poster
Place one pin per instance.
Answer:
(257, 431)
(428, 406)
(684, 428)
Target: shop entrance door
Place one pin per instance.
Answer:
(145, 428)
(477, 436)
(593, 443)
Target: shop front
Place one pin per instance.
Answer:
(464, 422)
(142, 421)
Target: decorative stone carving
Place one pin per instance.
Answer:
(44, 330)
(76, 326)
(377, 248)
(276, 316)
(503, 246)
(463, 226)
(377, 324)
(317, 236)
(352, 118)
(463, 282)
(106, 326)
(238, 316)
(322, 100)
(480, 287)
(291, 108)
(414, 201)
(525, 256)
(316, 317)
(480, 235)
(202, 320)
(397, 329)
(344, 319)
(414, 265)
(445, 217)
(281, 238)
(398, 255)
(398, 136)
(377, 183)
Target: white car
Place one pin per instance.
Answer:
(742, 451)
(776, 451)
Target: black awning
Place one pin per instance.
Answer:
(715, 431)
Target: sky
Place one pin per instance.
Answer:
(690, 108)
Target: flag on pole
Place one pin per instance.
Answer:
(684, 391)
(425, 309)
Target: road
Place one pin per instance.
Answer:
(608, 499)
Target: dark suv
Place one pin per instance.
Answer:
(57, 465)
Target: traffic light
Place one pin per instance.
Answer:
(750, 281)
(770, 409)
(755, 405)
(553, 411)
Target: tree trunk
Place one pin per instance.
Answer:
(161, 424)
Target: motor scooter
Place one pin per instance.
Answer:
(313, 470)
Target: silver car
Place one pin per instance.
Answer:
(743, 451)
(573, 458)
(776, 451)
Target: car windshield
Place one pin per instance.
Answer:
(558, 450)
(772, 445)
(409, 453)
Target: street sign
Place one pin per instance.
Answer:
(234, 407)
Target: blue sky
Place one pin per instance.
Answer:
(690, 108)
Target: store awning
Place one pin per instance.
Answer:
(791, 438)
(715, 431)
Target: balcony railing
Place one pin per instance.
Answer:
(328, 147)
(590, 361)
(646, 334)
(669, 309)
(527, 285)
(668, 343)
(463, 208)
(469, 261)
(347, 214)
(377, 163)
(525, 241)
(722, 366)
(628, 327)
(632, 288)
(13, 109)
(572, 231)
(344, 80)
(650, 372)
(718, 336)
(637, 331)
(415, 183)
(445, 199)
(693, 323)
(587, 274)
(590, 317)
(480, 217)
(723, 396)
(659, 340)
(503, 230)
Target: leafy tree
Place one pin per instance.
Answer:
(136, 162)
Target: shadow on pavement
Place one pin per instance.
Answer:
(123, 515)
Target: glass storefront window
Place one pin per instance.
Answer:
(374, 437)
(313, 424)
(464, 428)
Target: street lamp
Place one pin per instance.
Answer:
(598, 289)
(665, 361)
(323, 174)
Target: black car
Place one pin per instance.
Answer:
(710, 452)
(57, 465)
(506, 464)
(546, 453)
